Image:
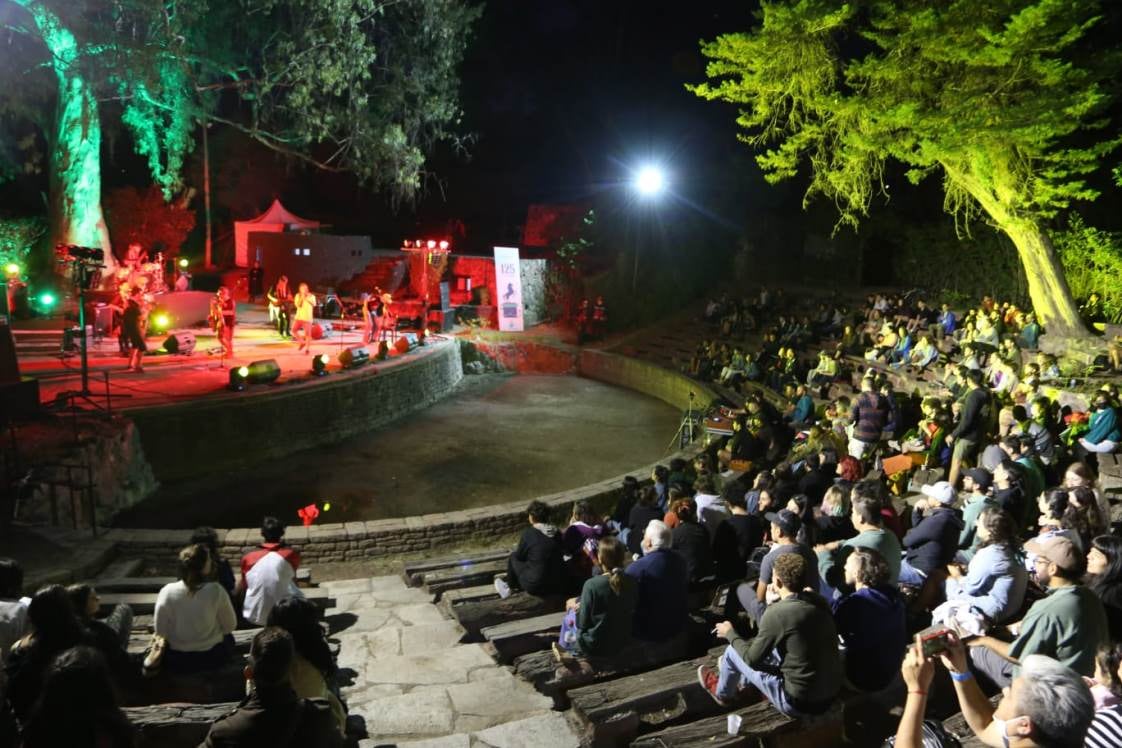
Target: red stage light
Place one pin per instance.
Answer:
(432, 244)
(444, 245)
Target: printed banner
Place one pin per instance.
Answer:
(508, 286)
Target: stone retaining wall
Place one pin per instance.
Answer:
(357, 540)
(228, 433)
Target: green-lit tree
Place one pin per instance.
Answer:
(996, 96)
(366, 86)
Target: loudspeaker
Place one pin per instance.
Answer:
(264, 372)
(9, 367)
(181, 342)
(103, 320)
(354, 356)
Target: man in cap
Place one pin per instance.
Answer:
(933, 539)
(785, 526)
(976, 482)
(1069, 624)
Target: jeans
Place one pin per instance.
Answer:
(911, 576)
(734, 671)
(1106, 445)
(991, 666)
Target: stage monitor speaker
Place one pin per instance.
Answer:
(265, 371)
(181, 342)
(402, 345)
(103, 320)
(354, 356)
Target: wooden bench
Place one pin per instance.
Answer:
(139, 640)
(413, 573)
(174, 725)
(615, 711)
(474, 615)
(154, 584)
(144, 603)
(761, 725)
(226, 683)
(555, 679)
(514, 638)
(470, 574)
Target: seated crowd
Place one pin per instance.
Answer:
(1004, 556)
(66, 671)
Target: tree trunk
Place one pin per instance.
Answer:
(1051, 297)
(74, 197)
(208, 253)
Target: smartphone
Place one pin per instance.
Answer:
(933, 640)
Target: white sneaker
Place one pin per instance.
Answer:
(502, 587)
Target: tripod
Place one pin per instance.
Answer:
(82, 276)
(685, 433)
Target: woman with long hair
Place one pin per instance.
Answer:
(600, 622)
(995, 580)
(313, 669)
(194, 616)
(692, 540)
(1104, 578)
(54, 628)
(77, 707)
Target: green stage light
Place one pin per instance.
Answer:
(161, 321)
(47, 299)
(238, 377)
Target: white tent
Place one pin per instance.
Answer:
(276, 219)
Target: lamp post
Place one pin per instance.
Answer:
(649, 183)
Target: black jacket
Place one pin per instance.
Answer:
(933, 540)
(276, 718)
(537, 562)
(637, 521)
(691, 540)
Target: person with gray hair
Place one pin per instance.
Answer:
(1048, 705)
(663, 577)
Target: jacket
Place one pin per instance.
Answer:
(663, 604)
(275, 718)
(1103, 427)
(537, 561)
(933, 539)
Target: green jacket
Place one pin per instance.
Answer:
(801, 630)
(605, 619)
(1068, 625)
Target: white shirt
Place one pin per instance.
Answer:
(194, 622)
(271, 580)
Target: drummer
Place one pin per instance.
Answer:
(135, 256)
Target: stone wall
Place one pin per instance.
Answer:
(669, 386)
(267, 422)
(535, 275)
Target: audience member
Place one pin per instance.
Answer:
(600, 622)
(662, 607)
(793, 661)
(537, 564)
(869, 416)
(833, 516)
(995, 581)
(13, 610)
(1103, 432)
(111, 635)
(1048, 705)
(312, 673)
(272, 714)
(194, 616)
(976, 482)
(579, 541)
(77, 707)
(268, 573)
(869, 523)
(692, 541)
(643, 513)
(785, 527)
(871, 622)
(1106, 728)
(223, 574)
(972, 425)
(932, 542)
(1104, 578)
(1069, 624)
(53, 629)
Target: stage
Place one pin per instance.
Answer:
(168, 379)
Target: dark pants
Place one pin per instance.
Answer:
(195, 662)
(284, 322)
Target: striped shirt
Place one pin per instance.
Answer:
(1106, 729)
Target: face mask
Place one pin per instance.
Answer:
(1002, 730)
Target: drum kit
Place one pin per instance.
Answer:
(148, 276)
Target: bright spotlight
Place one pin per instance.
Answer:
(650, 180)
(11, 268)
(47, 300)
(162, 321)
(183, 262)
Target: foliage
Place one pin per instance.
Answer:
(142, 215)
(987, 93)
(563, 281)
(17, 238)
(1092, 260)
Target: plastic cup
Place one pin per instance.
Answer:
(734, 724)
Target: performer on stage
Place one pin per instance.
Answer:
(305, 304)
(135, 256)
(131, 325)
(223, 314)
(119, 305)
(373, 315)
(256, 279)
(280, 303)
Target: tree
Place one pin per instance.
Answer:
(997, 96)
(366, 86)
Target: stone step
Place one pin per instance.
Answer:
(539, 731)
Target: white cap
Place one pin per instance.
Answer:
(942, 492)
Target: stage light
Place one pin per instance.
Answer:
(238, 376)
(319, 364)
(183, 262)
(650, 180)
(354, 356)
(47, 299)
(11, 268)
(444, 245)
(161, 321)
(432, 244)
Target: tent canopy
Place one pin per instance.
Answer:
(276, 219)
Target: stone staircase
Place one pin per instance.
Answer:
(387, 273)
(416, 685)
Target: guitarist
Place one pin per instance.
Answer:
(280, 305)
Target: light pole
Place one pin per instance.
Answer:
(649, 182)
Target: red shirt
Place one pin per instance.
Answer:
(288, 553)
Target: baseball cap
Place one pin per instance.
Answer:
(942, 492)
(1058, 550)
(787, 520)
(981, 477)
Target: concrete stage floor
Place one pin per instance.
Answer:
(175, 378)
(498, 438)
